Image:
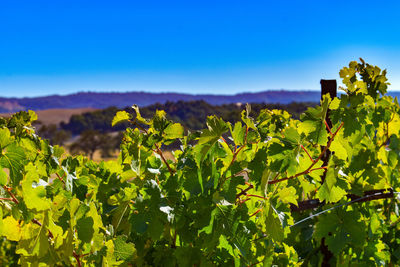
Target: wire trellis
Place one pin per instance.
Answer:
(338, 206)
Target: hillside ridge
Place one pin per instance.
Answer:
(100, 100)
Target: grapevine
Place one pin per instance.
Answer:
(252, 193)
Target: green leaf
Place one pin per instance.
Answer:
(292, 135)
(375, 224)
(85, 229)
(330, 191)
(340, 147)
(273, 224)
(3, 177)
(288, 195)
(34, 193)
(13, 159)
(39, 243)
(121, 116)
(13, 230)
(139, 117)
(313, 124)
(238, 134)
(216, 127)
(334, 104)
(1, 221)
(174, 131)
(4, 138)
(123, 250)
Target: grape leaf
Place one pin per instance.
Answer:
(121, 116)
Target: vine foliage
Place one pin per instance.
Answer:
(253, 193)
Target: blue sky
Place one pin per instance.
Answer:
(61, 47)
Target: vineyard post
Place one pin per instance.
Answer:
(327, 87)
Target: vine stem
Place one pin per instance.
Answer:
(257, 211)
(244, 191)
(223, 139)
(60, 178)
(158, 150)
(235, 153)
(329, 128)
(257, 196)
(8, 189)
(76, 256)
(308, 154)
(240, 148)
(310, 169)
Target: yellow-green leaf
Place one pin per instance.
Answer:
(174, 131)
(12, 231)
(121, 116)
(288, 195)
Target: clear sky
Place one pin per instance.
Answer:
(60, 47)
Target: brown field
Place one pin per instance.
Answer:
(56, 116)
(97, 156)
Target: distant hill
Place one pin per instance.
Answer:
(120, 100)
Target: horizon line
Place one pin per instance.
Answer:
(177, 92)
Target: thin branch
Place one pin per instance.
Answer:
(250, 195)
(367, 196)
(257, 211)
(244, 191)
(240, 148)
(308, 154)
(76, 256)
(276, 176)
(8, 189)
(158, 150)
(328, 128)
(60, 178)
(254, 264)
(6, 198)
(377, 194)
(357, 199)
(242, 173)
(235, 155)
(319, 168)
(138, 125)
(173, 245)
(309, 169)
(241, 201)
(387, 132)
(35, 221)
(223, 139)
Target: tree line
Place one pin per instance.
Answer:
(191, 114)
(92, 131)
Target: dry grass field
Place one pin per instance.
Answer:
(56, 116)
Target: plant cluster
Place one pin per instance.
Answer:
(262, 191)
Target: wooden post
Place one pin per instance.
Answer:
(327, 87)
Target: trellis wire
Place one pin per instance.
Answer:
(338, 206)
